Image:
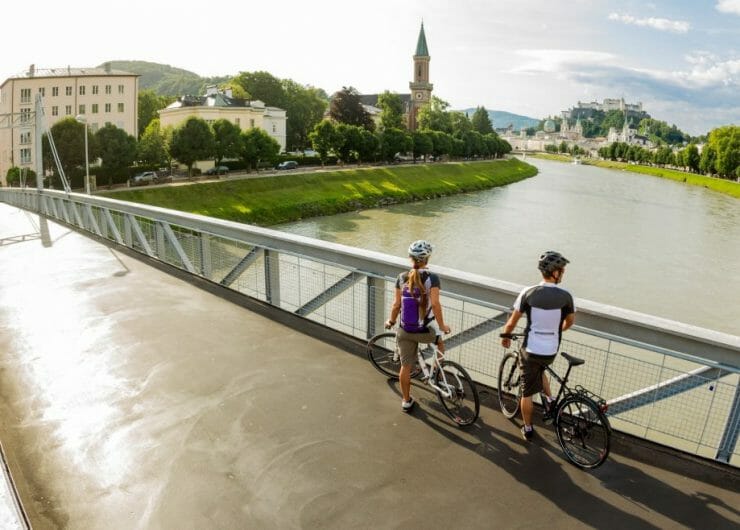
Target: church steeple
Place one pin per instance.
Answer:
(421, 88)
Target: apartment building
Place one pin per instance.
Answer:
(217, 104)
(101, 95)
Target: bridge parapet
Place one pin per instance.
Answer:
(665, 381)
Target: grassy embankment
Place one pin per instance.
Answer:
(728, 187)
(290, 197)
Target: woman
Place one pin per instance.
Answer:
(417, 301)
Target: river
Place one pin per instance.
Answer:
(638, 242)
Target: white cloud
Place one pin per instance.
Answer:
(728, 6)
(552, 61)
(661, 24)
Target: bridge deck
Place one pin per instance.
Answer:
(133, 399)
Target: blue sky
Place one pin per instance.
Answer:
(681, 59)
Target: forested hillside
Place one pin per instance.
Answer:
(166, 80)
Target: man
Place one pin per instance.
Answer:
(550, 310)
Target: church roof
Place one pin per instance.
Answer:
(421, 45)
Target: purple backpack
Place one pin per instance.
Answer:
(410, 300)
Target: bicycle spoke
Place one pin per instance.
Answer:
(458, 394)
(509, 386)
(583, 432)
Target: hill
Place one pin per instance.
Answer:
(167, 80)
(502, 119)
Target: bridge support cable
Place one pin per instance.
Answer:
(172, 238)
(732, 430)
(133, 225)
(240, 267)
(93, 222)
(331, 293)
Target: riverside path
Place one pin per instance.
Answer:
(132, 399)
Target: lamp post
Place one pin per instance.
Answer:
(80, 118)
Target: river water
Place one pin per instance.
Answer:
(638, 242)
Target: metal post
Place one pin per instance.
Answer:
(87, 164)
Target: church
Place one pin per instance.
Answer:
(421, 88)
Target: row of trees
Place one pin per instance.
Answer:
(720, 156)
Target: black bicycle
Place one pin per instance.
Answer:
(454, 387)
(581, 425)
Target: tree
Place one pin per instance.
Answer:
(322, 139)
(481, 121)
(460, 124)
(692, 158)
(726, 144)
(192, 141)
(346, 107)
(117, 150)
(347, 141)
(226, 140)
(707, 160)
(149, 104)
(423, 143)
(369, 145)
(434, 116)
(305, 107)
(394, 141)
(262, 86)
(258, 146)
(391, 110)
(69, 139)
(152, 147)
(441, 143)
(16, 175)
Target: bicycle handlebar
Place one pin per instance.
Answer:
(513, 336)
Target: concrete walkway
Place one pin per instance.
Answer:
(130, 399)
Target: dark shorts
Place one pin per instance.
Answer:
(533, 366)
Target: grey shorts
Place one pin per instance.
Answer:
(532, 367)
(409, 342)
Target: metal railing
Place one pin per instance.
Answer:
(668, 382)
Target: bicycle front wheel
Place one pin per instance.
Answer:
(583, 432)
(463, 403)
(382, 353)
(509, 385)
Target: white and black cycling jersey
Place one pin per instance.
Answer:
(546, 306)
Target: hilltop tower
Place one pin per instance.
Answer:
(421, 88)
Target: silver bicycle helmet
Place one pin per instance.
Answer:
(551, 261)
(420, 249)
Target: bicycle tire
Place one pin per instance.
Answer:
(583, 431)
(381, 351)
(509, 385)
(464, 404)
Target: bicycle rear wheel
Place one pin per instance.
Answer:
(463, 405)
(509, 385)
(583, 432)
(383, 354)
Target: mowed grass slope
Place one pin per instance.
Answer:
(290, 197)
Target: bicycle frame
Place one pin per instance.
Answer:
(437, 357)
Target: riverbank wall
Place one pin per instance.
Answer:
(292, 197)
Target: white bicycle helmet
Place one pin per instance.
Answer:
(420, 249)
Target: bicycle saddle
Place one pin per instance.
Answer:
(573, 361)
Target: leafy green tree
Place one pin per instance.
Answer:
(305, 107)
(460, 124)
(394, 141)
(117, 150)
(434, 116)
(441, 144)
(237, 91)
(481, 121)
(347, 141)
(152, 147)
(69, 139)
(707, 160)
(391, 111)
(227, 139)
(423, 143)
(15, 175)
(369, 145)
(346, 107)
(322, 139)
(192, 141)
(263, 86)
(563, 148)
(149, 105)
(257, 147)
(726, 143)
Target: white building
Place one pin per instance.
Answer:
(217, 105)
(102, 95)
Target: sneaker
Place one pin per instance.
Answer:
(527, 434)
(406, 406)
(547, 407)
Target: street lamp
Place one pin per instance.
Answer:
(80, 118)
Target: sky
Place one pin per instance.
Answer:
(680, 58)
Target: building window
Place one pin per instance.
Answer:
(120, 89)
(82, 90)
(274, 128)
(54, 91)
(25, 138)
(25, 95)
(25, 155)
(107, 107)
(251, 122)
(107, 89)
(42, 91)
(55, 111)
(95, 90)
(68, 90)
(94, 108)
(120, 107)
(68, 110)
(25, 115)
(82, 109)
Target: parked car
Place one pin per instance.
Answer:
(142, 179)
(218, 170)
(288, 164)
(162, 178)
